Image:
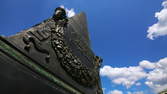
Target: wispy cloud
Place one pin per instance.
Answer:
(154, 74)
(70, 12)
(159, 28)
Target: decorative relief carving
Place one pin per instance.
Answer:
(35, 38)
(69, 61)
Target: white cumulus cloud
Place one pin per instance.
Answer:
(159, 28)
(138, 84)
(147, 64)
(137, 92)
(115, 92)
(70, 12)
(155, 77)
(126, 76)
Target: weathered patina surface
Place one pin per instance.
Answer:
(54, 55)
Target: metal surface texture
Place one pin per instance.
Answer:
(54, 55)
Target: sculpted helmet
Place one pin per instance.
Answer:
(59, 14)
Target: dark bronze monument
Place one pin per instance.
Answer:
(53, 57)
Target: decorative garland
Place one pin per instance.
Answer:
(71, 63)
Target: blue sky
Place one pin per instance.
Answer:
(118, 31)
